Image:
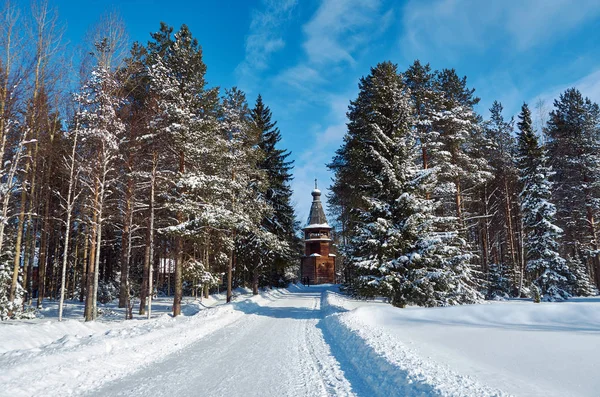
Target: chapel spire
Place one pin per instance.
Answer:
(316, 217)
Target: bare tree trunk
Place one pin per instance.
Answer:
(150, 243)
(44, 227)
(179, 263)
(17, 260)
(144, 287)
(594, 243)
(84, 264)
(178, 293)
(232, 253)
(230, 274)
(255, 281)
(75, 272)
(125, 247)
(510, 229)
(523, 257)
(97, 257)
(69, 206)
(485, 238)
(89, 304)
(100, 209)
(27, 254)
(592, 230)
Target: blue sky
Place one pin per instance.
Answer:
(305, 56)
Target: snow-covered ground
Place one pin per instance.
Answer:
(309, 342)
(516, 347)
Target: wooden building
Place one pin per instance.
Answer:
(318, 262)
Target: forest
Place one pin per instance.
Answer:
(124, 175)
(437, 205)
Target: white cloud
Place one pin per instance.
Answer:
(334, 35)
(333, 133)
(498, 85)
(535, 21)
(588, 85)
(448, 25)
(301, 77)
(338, 28)
(311, 163)
(264, 38)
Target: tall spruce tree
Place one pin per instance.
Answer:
(277, 168)
(245, 188)
(544, 263)
(580, 283)
(574, 152)
(397, 247)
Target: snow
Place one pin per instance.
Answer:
(318, 226)
(71, 357)
(276, 349)
(308, 341)
(515, 347)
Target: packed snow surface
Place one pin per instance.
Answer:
(521, 348)
(310, 341)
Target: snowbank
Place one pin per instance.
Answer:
(517, 347)
(71, 357)
(386, 364)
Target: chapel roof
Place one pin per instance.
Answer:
(316, 217)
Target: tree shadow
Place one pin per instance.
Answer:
(291, 312)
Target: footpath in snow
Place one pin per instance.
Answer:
(311, 342)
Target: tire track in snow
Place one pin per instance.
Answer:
(333, 377)
(275, 349)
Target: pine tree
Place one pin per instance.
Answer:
(380, 121)
(245, 185)
(544, 263)
(500, 150)
(499, 282)
(278, 194)
(397, 246)
(99, 130)
(580, 283)
(574, 154)
(186, 124)
(420, 80)
(461, 167)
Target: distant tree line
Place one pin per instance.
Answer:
(139, 179)
(436, 205)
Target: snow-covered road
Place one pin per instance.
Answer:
(275, 350)
(311, 342)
